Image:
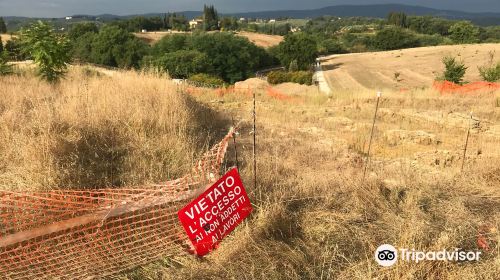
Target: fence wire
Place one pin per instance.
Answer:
(66, 234)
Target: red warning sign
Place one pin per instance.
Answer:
(216, 213)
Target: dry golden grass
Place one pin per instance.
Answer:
(314, 218)
(95, 131)
(261, 40)
(6, 37)
(417, 67)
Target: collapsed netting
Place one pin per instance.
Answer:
(65, 234)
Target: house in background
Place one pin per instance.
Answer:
(193, 24)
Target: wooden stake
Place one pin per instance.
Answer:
(254, 144)
(379, 94)
(235, 146)
(466, 143)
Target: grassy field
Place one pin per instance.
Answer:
(261, 40)
(314, 217)
(417, 67)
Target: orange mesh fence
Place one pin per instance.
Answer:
(273, 93)
(66, 234)
(475, 87)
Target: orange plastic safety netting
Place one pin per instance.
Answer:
(449, 87)
(65, 234)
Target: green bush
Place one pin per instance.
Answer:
(430, 40)
(182, 64)
(14, 51)
(207, 79)
(491, 71)
(277, 77)
(5, 69)
(454, 71)
(490, 74)
(299, 77)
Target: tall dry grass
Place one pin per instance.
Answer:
(314, 218)
(93, 130)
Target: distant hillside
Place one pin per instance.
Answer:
(375, 11)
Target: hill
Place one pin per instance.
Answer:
(417, 67)
(375, 11)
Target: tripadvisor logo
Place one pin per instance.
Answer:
(387, 255)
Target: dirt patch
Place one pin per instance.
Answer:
(262, 40)
(252, 83)
(397, 136)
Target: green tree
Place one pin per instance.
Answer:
(3, 27)
(170, 44)
(300, 47)
(232, 58)
(398, 19)
(116, 47)
(229, 23)
(393, 38)
(183, 63)
(464, 32)
(80, 29)
(330, 46)
(49, 50)
(210, 18)
(1, 44)
(454, 70)
(82, 47)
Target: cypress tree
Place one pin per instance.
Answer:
(3, 27)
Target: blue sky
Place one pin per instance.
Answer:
(59, 8)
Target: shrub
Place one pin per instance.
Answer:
(14, 51)
(207, 79)
(430, 40)
(5, 69)
(49, 50)
(277, 77)
(491, 71)
(182, 64)
(454, 70)
(299, 77)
